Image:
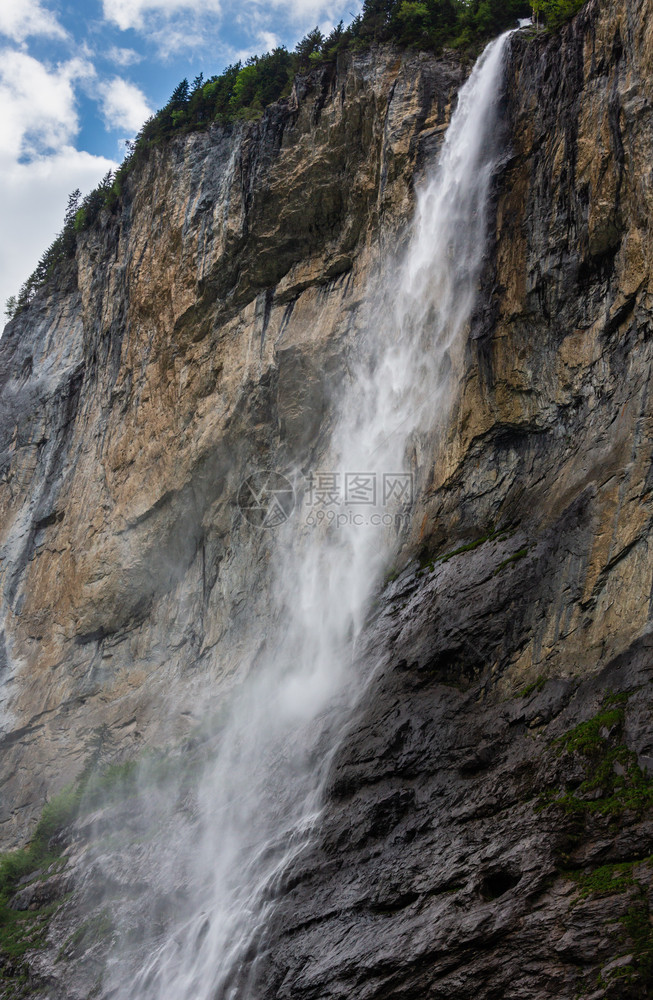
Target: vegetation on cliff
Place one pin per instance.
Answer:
(613, 781)
(24, 927)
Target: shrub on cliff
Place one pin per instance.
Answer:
(554, 13)
(435, 24)
(62, 248)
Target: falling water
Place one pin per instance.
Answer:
(260, 795)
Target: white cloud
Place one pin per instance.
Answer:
(123, 105)
(124, 57)
(21, 18)
(33, 199)
(265, 41)
(268, 41)
(37, 104)
(174, 26)
(133, 13)
(38, 164)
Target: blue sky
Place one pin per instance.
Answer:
(78, 77)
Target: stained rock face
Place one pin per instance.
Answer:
(487, 830)
(197, 343)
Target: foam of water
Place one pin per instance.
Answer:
(260, 796)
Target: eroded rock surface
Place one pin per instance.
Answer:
(488, 829)
(198, 342)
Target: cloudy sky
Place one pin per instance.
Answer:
(78, 77)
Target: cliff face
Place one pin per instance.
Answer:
(475, 840)
(198, 343)
(488, 830)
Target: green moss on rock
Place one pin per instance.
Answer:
(99, 927)
(605, 880)
(614, 782)
(537, 685)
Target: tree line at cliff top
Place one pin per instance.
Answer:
(243, 91)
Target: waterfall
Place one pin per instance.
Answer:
(260, 796)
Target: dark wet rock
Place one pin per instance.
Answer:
(474, 842)
(42, 892)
